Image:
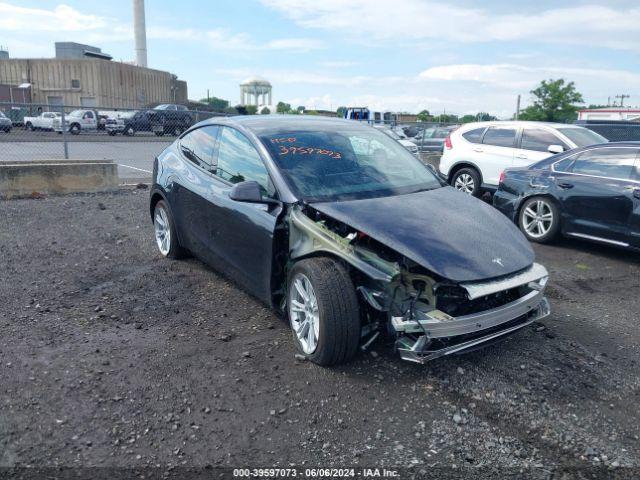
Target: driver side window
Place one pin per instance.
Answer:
(238, 161)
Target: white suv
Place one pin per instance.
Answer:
(477, 153)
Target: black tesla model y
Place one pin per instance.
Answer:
(338, 227)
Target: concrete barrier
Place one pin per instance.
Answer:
(56, 177)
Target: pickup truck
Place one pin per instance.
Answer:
(77, 121)
(170, 118)
(44, 121)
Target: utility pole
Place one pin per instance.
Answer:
(622, 97)
(518, 107)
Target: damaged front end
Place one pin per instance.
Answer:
(427, 315)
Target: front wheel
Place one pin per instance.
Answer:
(539, 219)
(75, 129)
(323, 311)
(467, 180)
(165, 232)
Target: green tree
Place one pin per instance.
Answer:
(251, 109)
(310, 112)
(553, 101)
(218, 104)
(340, 111)
(468, 118)
(301, 109)
(283, 107)
(424, 116)
(265, 111)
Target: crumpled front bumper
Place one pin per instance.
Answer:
(435, 334)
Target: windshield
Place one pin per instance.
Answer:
(582, 137)
(391, 133)
(344, 164)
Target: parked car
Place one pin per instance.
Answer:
(128, 123)
(5, 123)
(77, 121)
(432, 139)
(408, 144)
(44, 121)
(170, 118)
(341, 229)
(591, 193)
(476, 153)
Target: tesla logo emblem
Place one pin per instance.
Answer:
(498, 261)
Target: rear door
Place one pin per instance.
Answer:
(597, 193)
(534, 146)
(495, 153)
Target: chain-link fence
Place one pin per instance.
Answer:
(615, 131)
(132, 138)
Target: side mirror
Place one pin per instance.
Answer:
(555, 149)
(249, 192)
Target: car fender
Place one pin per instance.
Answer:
(459, 163)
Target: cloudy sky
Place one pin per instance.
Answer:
(407, 55)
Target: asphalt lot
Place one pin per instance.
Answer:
(113, 356)
(134, 155)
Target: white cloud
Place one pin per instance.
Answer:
(432, 19)
(61, 19)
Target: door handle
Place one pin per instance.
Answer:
(636, 193)
(565, 186)
(477, 149)
(521, 155)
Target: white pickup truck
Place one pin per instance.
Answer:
(77, 121)
(44, 121)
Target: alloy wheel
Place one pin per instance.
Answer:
(465, 183)
(303, 310)
(162, 230)
(537, 218)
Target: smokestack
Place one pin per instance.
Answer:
(140, 33)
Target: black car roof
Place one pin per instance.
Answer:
(554, 158)
(265, 124)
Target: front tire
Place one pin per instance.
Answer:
(323, 311)
(165, 232)
(467, 180)
(74, 129)
(539, 219)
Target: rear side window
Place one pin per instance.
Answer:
(238, 161)
(499, 137)
(539, 140)
(199, 145)
(474, 136)
(607, 162)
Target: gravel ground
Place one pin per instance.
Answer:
(113, 356)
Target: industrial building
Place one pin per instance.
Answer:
(82, 75)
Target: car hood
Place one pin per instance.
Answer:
(406, 143)
(448, 232)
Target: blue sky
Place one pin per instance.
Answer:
(403, 55)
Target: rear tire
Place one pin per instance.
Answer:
(539, 219)
(74, 129)
(467, 180)
(29, 126)
(165, 232)
(333, 318)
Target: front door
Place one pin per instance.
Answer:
(596, 195)
(244, 232)
(634, 221)
(534, 146)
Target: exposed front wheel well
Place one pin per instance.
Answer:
(155, 198)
